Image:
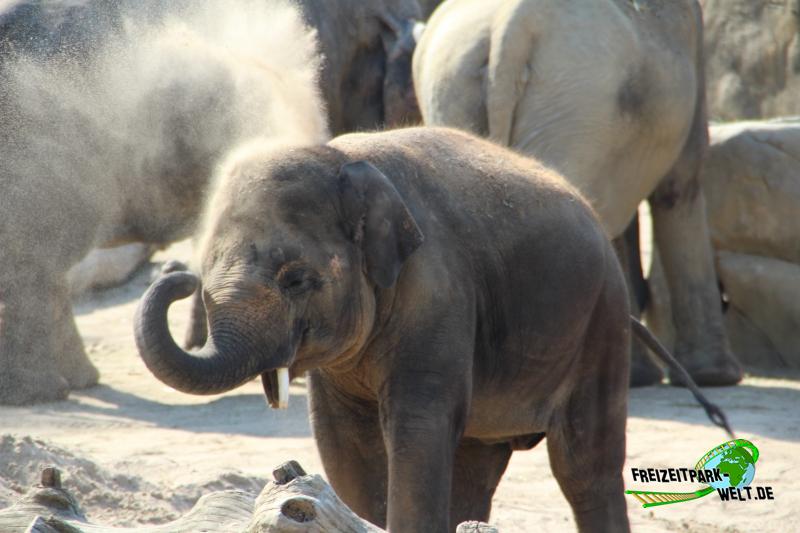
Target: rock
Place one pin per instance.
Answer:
(752, 50)
(749, 343)
(751, 182)
(762, 318)
(765, 292)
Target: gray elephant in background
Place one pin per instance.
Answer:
(366, 75)
(115, 118)
(610, 93)
(366, 68)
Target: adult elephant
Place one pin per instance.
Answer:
(611, 93)
(111, 133)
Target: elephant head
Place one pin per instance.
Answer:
(292, 258)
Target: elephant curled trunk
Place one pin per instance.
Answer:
(230, 357)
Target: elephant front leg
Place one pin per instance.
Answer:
(350, 444)
(681, 234)
(41, 353)
(421, 427)
(643, 370)
(477, 471)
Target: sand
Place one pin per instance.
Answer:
(134, 451)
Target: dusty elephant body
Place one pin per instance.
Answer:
(113, 139)
(611, 94)
(451, 301)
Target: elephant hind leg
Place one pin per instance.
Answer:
(72, 361)
(38, 340)
(477, 470)
(586, 435)
(680, 232)
(681, 235)
(351, 446)
(643, 370)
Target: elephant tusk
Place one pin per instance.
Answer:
(283, 387)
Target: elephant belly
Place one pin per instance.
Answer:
(518, 395)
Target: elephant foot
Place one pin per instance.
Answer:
(720, 371)
(28, 387)
(70, 355)
(644, 371)
(81, 373)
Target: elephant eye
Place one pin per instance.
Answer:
(296, 282)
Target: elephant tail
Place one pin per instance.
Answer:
(513, 34)
(715, 414)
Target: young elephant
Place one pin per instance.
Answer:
(451, 302)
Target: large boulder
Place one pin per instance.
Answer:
(752, 58)
(751, 182)
(763, 308)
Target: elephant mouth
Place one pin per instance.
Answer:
(276, 387)
(276, 381)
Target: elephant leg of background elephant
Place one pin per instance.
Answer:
(681, 234)
(350, 444)
(476, 472)
(73, 364)
(35, 344)
(643, 370)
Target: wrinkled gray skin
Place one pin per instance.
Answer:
(610, 93)
(105, 141)
(367, 47)
(451, 302)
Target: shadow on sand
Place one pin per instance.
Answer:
(769, 411)
(243, 414)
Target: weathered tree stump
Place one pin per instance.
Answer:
(294, 503)
(299, 503)
(475, 527)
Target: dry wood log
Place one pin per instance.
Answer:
(294, 503)
(48, 507)
(475, 527)
(299, 503)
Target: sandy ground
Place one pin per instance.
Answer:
(135, 451)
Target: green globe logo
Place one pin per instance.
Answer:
(736, 461)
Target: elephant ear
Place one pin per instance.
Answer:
(377, 219)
